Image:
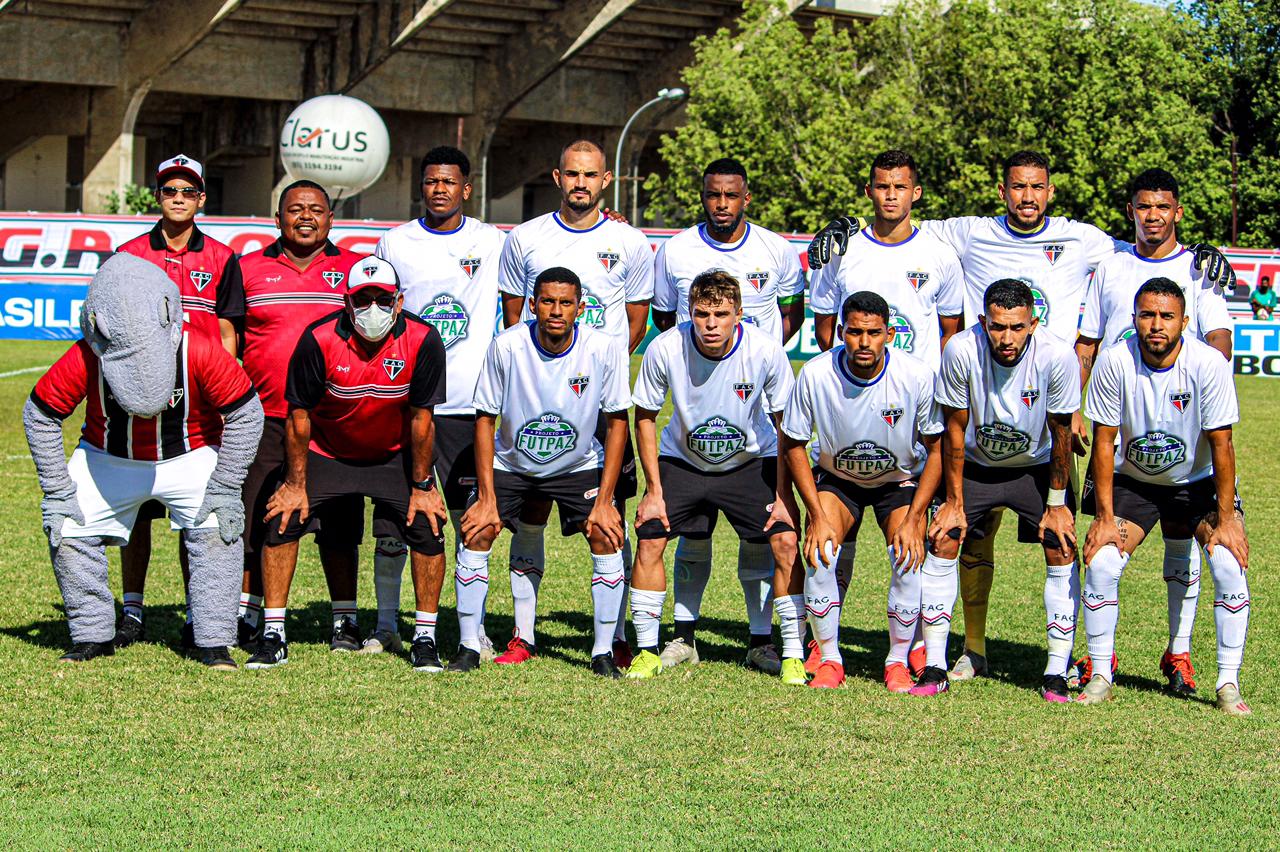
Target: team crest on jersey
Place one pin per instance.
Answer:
(546, 438)
(175, 397)
(578, 384)
(1156, 452)
(393, 366)
(1180, 399)
(892, 414)
(1029, 396)
(449, 318)
(592, 311)
(200, 278)
(1053, 251)
(904, 335)
(743, 390)
(609, 259)
(333, 277)
(999, 441)
(717, 440)
(865, 460)
(470, 265)
(917, 279)
(758, 280)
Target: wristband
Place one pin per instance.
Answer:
(1057, 497)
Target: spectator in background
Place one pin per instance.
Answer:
(1263, 299)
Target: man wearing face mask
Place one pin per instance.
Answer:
(362, 384)
(1262, 301)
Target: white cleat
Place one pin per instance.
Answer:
(1096, 691)
(969, 665)
(487, 654)
(677, 653)
(381, 641)
(1231, 702)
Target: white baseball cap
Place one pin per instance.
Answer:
(181, 165)
(373, 271)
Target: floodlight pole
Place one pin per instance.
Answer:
(663, 95)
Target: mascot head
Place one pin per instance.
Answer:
(132, 319)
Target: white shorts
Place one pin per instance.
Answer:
(110, 490)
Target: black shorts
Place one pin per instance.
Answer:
(333, 482)
(1022, 489)
(455, 457)
(628, 481)
(1146, 504)
(574, 493)
(693, 497)
(882, 499)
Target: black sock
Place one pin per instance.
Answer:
(684, 630)
(652, 649)
(758, 639)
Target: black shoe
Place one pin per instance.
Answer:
(465, 660)
(247, 637)
(188, 640)
(603, 665)
(128, 631)
(346, 636)
(272, 651)
(83, 652)
(1054, 689)
(424, 657)
(218, 659)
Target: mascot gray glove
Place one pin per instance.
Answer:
(44, 437)
(241, 433)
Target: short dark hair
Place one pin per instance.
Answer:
(1025, 158)
(1160, 287)
(557, 275)
(1009, 293)
(893, 159)
(1153, 180)
(865, 302)
(588, 145)
(725, 166)
(304, 184)
(715, 286)
(446, 155)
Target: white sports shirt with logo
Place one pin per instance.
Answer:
(1054, 262)
(1162, 415)
(1108, 308)
(766, 265)
(722, 410)
(868, 431)
(547, 404)
(1009, 407)
(450, 279)
(920, 278)
(614, 261)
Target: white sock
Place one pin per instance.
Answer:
(904, 611)
(1182, 587)
(1061, 603)
(844, 568)
(525, 582)
(620, 625)
(791, 609)
(822, 602)
(939, 583)
(424, 625)
(1230, 613)
(273, 621)
(606, 594)
(691, 574)
(343, 609)
(389, 554)
(1101, 601)
(471, 585)
(646, 615)
(755, 573)
(251, 609)
(133, 605)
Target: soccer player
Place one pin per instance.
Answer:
(614, 262)
(1170, 401)
(1108, 319)
(775, 303)
(1008, 393)
(361, 387)
(448, 267)
(728, 382)
(547, 380)
(878, 429)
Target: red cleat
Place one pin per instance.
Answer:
(1084, 668)
(897, 678)
(830, 675)
(621, 654)
(814, 660)
(518, 651)
(1181, 675)
(917, 659)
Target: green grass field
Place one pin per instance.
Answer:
(149, 749)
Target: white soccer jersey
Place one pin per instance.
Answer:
(1009, 407)
(919, 277)
(766, 265)
(1054, 262)
(721, 416)
(1162, 415)
(868, 432)
(450, 279)
(614, 261)
(1108, 308)
(547, 404)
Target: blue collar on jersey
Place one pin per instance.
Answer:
(1179, 253)
(842, 364)
(533, 335)
(693, 341)
(555, 216)
(702, 232)
(1152, 369)
(1019, 235)
(430, 230)
(866, 232)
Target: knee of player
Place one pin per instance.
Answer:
(786, 549)
(480, 539)
(948, 548)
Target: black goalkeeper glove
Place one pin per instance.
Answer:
(832, 240)
(1215, 265)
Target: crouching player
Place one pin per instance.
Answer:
(878, 448)
(1171, 402)
(729, 382)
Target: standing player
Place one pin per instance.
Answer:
(728, 382)
(1170, 401)
(1008, 394)
(448, 267)
(878, 432)
(1108, 319)
(548, 380)
(614, 262)
(775, 303)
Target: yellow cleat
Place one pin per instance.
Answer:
(793, 673)
(645, 665)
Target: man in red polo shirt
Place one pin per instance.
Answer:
(362, 386)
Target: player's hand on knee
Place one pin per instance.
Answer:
(949, 524)
(782, 511)
(821, 546)
(480, 520)
(652, 508)
(429, 504)
(287, 500)
(1059, 521)
(831, 241)
(605, 523)
(907, 543)
(1079, 435)
(1229, 533)
(1102, 532)
(1215, 265)
(54, 511)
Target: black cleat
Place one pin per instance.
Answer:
(1054, 690)
(247, 637)
(272, 651)
(83, 652)
(424, 657)
(346, 636)
(129, 631)
(218, 658)
(603, 665)
(465, 660)
(188, 640)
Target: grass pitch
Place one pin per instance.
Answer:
(148, 748)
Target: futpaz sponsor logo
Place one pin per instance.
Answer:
(717, 440)
(200, 279)
(1156, 452)
(449, 318)
(903, 334)
(865, 460)
(546, 438)
(393, 366)
(593, 310)
(999, 441)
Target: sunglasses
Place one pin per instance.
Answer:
(363, 299)
(187, 191)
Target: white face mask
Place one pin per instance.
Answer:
(374, 321)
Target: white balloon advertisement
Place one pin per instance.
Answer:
(339, 142)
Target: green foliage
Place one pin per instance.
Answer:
(137, 199)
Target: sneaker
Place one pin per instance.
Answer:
(487, 653)
(970, 665)
(465, 660)
(679, 652)
(933, 681)
(764, 658)
(897, 678)
(1054, 689)
(83, 652)
(603, 665)
(1181, 675)
(814, 660)
(793, 673)
(346, 636)
(622, 654)
(272, 651)
(645, 665)
(1231, 702)
(247, 636)
(381, 641)
(1096, 691)
(518, 651)
(129, 631)
(423, 656)
(917, 660)
(187, 639)
(217, 658)
(829, 675)
(1084, 669)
